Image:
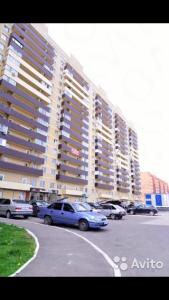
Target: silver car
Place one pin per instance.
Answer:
(112, 211)
(11, 208)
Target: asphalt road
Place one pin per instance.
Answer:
(131, 244)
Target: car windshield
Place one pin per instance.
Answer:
(87, 206)
(80, 207)
(117, 206)
(20, 201)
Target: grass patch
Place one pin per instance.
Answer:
(16, 247)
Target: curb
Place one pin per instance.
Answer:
(32, 258)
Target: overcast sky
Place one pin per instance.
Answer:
(131, 63)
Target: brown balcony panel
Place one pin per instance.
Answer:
(107, 172)
(102, 163)
(65, 157)
(80, 107)
(72, 142)
(65, 105)
(63, 147)
(21, 155)
(26, 144)
(104, 186)
(77, 171)
(74, 125)
(104, 178)
(69, 179)
(104, 157)
(26, 132)
(10, 167)
(123, 190)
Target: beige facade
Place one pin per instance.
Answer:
(73, 164)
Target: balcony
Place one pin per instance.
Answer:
(65, 157)
(104, 186)
(10, 167)
(123, 190)
(104, 178)
(72, 142)
(21, 155)
(70, 169)
(69, 179)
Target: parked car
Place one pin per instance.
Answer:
(72, 214)
(95, 206)
(142, 209)
(36, 206)
(15, 207)
(112, 211)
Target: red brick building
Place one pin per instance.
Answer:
(151, 184)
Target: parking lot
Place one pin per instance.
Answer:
(134, 246)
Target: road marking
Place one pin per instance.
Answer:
(115, 267)
(33, 257)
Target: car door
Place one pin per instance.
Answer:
(105, 211)
(55, 211)
(69, 215)
(139, 209)
(6, 206)
(2, 212)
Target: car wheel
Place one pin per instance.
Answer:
(8, 215)
(131, 212)
(152, 213)
(47, 220)
(25, 217)
(83, 225)
(113, 217)
(120, 217)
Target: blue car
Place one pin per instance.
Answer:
(72, 214)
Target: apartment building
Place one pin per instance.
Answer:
(151, 184)
(59, 133)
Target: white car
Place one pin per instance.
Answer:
(10, 208)
(112, 211)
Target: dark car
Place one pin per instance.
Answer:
(142, 209)
(36, 206)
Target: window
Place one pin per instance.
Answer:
(53, 161)
(42, 183)
(6, 28)
(33, 182)
(57, 206)
(17, 42)
(3, 37)
(52, 185)
(6, 202)
(1, 46)
(68, 207)
(1, 177)
(24, 180)
(22, 195)
(2, 142)
(1, 57)
(53, 172)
